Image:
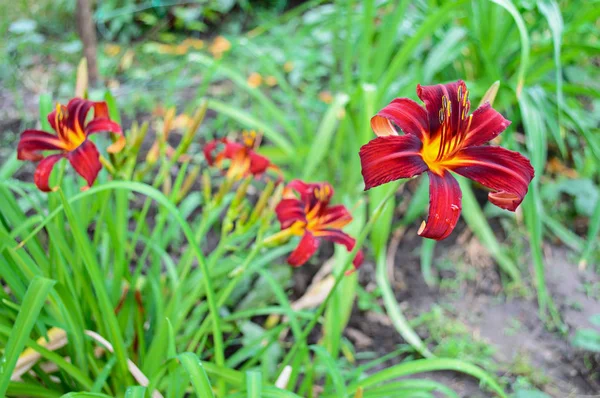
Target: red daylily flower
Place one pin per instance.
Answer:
(71, 141)
(441, 138)
(244, 160)
(305, 211)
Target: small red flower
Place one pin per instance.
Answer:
(71, 141)
(243, 159)
(440, 138)
(305, 211)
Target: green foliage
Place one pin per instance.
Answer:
(175, 278)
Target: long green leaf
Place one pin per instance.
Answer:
(428, 365)
(197, 374)
(30, 308)
(135, 392)
(322, 140)
(472, 214)
(524, 35)
(254, 384)
(332, 369)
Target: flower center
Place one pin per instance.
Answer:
(439, 149)
(71, 138)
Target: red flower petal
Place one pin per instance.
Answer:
(85, 159)
(101, 109)
(42, 173)
(289, 211)
(306, 248)
(342, 238)
(52, 119)
(486, 124)
(507, 173)
(404, 113)
(390, 158)
(103, 124)
(232, 149)
(258, 163)
(77, 111)
(210, 147)
(336, 216)
(34, 141)
(432, 97)
(308, 192)
(444, 206)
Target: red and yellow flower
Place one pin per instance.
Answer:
(71, 141)
(305, 211)
(441, 138)
(243, 159)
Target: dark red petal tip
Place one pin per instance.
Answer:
(32, 142)
(43, 171)
(506, 173)
(306, 248)
(85, 159)
(405, 113)
(390, 158)
(444, 206)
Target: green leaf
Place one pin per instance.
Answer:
(30, 308)
(135, 392)
(322, 140)
(197, 374)
(332, 369)
(428, 365)
(525, 47)
(45, 109)
(475, 219)
(427, 248)
(254, 384)
(113, 109)
(30, 390)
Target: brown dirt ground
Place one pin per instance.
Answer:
(562, 370)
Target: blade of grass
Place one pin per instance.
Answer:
(322, 139)
(551, 11)
(254, 384)
(427, 248)
(398, 63)
(45, 109)
(197, 374)
(592, 236)
(532, 205)
(135, 392)
(30, 390)
(31, 306)
(333, 370)
(524, 36)
(393, 309)
(428, 365)
(472, 214)
(97, 279)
